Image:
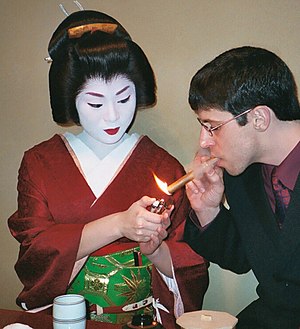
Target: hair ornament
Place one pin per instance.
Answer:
(78, 31)
(63, 9)
(48, 59)
(79, 5)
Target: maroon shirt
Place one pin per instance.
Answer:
(287, 172)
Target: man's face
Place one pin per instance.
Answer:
(233, 144)
(106, 109)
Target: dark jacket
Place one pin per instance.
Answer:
(247, 237)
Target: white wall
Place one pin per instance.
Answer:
(179, 37)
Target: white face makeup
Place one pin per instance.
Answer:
(106, 109)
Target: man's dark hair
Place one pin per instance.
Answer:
(243, 78)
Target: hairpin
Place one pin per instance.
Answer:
(48, 59)
(78, 31)
(63, 9)
(79, 5)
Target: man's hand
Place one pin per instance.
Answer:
(206, 190)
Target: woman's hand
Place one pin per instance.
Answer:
(149, 247)
(157, 250)
(136, 223)
(139, 224)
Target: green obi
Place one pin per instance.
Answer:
(112, 282)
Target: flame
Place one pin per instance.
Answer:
(162, 185)
(189, 176)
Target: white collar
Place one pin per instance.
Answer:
(99, 173)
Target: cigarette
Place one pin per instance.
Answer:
(190, 175)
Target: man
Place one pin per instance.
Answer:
(246, 102)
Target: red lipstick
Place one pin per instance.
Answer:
(112, 131)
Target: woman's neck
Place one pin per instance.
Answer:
(100, 149)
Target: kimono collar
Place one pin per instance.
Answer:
(99, 173)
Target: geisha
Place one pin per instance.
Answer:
(83, 219)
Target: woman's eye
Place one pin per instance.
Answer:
(95, 106)
(125, 100)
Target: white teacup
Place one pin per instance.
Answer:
(69, 312)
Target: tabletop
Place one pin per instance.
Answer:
(41, 320)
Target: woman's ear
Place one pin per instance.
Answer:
(261, 117)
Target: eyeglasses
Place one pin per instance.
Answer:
(210, 129)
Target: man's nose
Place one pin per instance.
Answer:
(205, 139)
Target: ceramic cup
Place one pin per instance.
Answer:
(69, 312)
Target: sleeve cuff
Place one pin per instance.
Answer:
(193, 217)
(173, 287)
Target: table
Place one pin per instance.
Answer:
(41, 320)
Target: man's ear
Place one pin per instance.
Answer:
(261, 117)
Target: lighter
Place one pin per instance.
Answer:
(159, 206)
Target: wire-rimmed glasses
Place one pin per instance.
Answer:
(210, 129)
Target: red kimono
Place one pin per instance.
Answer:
(54, 204)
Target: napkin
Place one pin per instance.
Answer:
(17, 326)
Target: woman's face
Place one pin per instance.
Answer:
(106, 109)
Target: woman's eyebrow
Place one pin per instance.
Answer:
(94, 94)
(122, 90)
(100, 95)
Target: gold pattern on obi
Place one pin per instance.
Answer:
(113, 282)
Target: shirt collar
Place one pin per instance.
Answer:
(288, 170)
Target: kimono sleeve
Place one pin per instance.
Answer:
(190, 268)
(48, 248)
